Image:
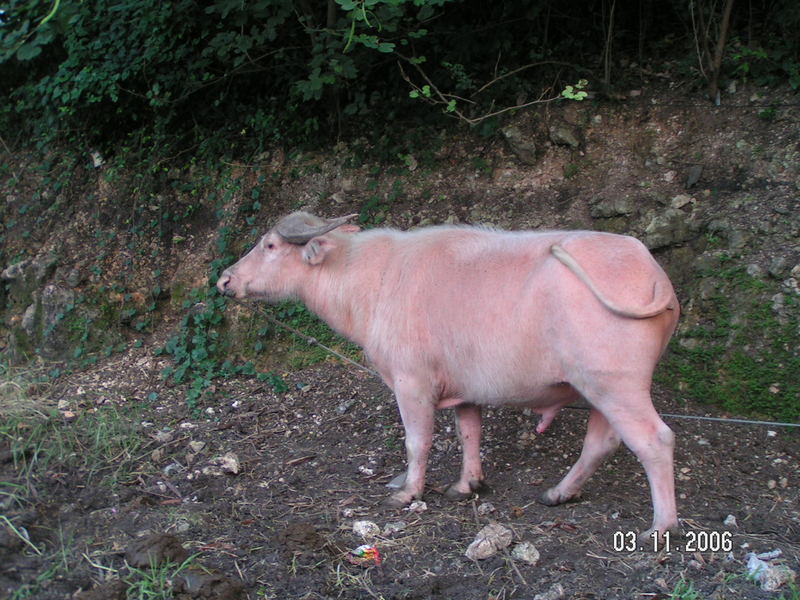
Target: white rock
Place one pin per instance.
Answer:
(366, 529)
(489, 541)
(527, 552)
(227, 463)
(556, 592)
(730, 521)
(394, 527)
(681, 200)
(486, 508)
(417, 506)
(195, 447)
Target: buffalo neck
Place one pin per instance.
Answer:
(342, 290)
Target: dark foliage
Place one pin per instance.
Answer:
(233, 77)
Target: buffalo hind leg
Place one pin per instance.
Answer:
(600, 442)
(653, 443)
(468, 428)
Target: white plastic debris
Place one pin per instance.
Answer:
(770, 577)
(489, 541)
(366, 529)
(97, 159)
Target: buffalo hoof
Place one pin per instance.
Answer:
(475, 487)
(399, 500)
(650, 540)
(552, 498)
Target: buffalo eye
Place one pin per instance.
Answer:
(270, 245)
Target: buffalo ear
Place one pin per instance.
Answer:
(316, 249)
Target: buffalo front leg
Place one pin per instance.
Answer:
(468, 428)
(600, 442)
(416, 411)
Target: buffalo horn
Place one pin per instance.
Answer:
(299, 227)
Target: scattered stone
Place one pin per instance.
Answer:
(556, 592)
(564, 134)
(227, 463)
(778, 267)
(417, 506)
(527, 552)
(667, 228)
(681, 200)
(791, 285)
(614, 207)
(182, 526)
(489, 541)
(755, 270)
(738, 239)
(486, 508)
(172, 468)
(520, 144)
(345, 406)
(366, 529)
(394, 527)
(730, 521)
(339, 197)
(778, 303)
(693, 176)
(196, 447)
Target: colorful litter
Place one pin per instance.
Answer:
(365, 556)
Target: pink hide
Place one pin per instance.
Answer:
(466, 317)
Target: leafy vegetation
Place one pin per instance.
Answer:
(165, 78)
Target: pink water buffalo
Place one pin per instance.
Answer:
(466, 317)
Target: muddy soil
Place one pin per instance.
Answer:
(274, 518)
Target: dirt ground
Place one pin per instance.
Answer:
(263, 489)
(275, 518)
